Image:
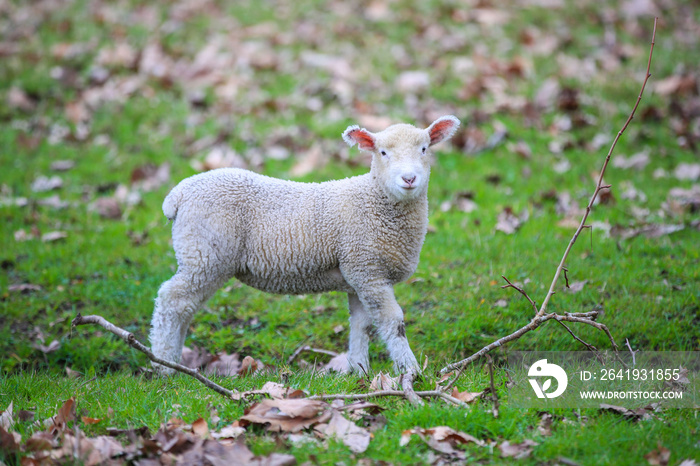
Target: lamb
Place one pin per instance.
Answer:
(358, 235)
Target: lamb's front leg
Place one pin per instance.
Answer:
(360, 326)
(381, 305)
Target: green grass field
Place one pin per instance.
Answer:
(120, 89)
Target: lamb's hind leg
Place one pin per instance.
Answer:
(178, 299)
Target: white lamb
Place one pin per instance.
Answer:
(359, 235)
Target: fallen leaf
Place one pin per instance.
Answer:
(354, 437)
(229, 432)
(338, 363)
(248, 366)
(43, 183)
(658, 457)
(53, 236)
(442, 439)
(54, 202)
(224, 365)
(632, 414)
(200, 428)
(508, 222)
(575, 287)
(637, 161)
(90, 420)
(107, 207)
(220, 156)
(517, 450)
(62, 165)
(24, 288)
(649, 231)
(287, 415)
(545, 425)
(687, 171)
(382, 381)
(6, 418)
(466, 396)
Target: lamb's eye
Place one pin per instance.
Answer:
(424, 150)
(383, 152)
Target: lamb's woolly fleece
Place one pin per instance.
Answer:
(352, 235)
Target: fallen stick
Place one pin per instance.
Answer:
(131, 340)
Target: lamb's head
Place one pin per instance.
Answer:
(401, 154)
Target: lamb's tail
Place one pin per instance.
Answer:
(172, 202)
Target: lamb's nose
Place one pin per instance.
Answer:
(409, 180)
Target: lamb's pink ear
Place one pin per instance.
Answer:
(360, 136)
(442, 129)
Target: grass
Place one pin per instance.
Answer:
(647, 288)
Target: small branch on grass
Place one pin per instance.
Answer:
(383, 393)
(541, 316)
(303, 348)
(129, 338)
(634, 353)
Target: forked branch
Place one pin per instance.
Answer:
(540, 314)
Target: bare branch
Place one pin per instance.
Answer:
(599, 185)
(129, 338)
(384, 393)
(587, 318)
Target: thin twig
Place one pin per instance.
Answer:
(384, 393)
(303, 348)
(599, 185)
(129, 338)
(521, 291)
(540, 314)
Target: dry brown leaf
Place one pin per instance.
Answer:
(517, 450)
(354, 437)
(508, 222)
(338, 363)
(223, 364)
(658, 457)
(287, 415)
(90, 420)
(632, 414)
(107, 207)
(467, 397)
(200, 428)
(382, 381)
(442, 439)
(195, 357)
(248, 367)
